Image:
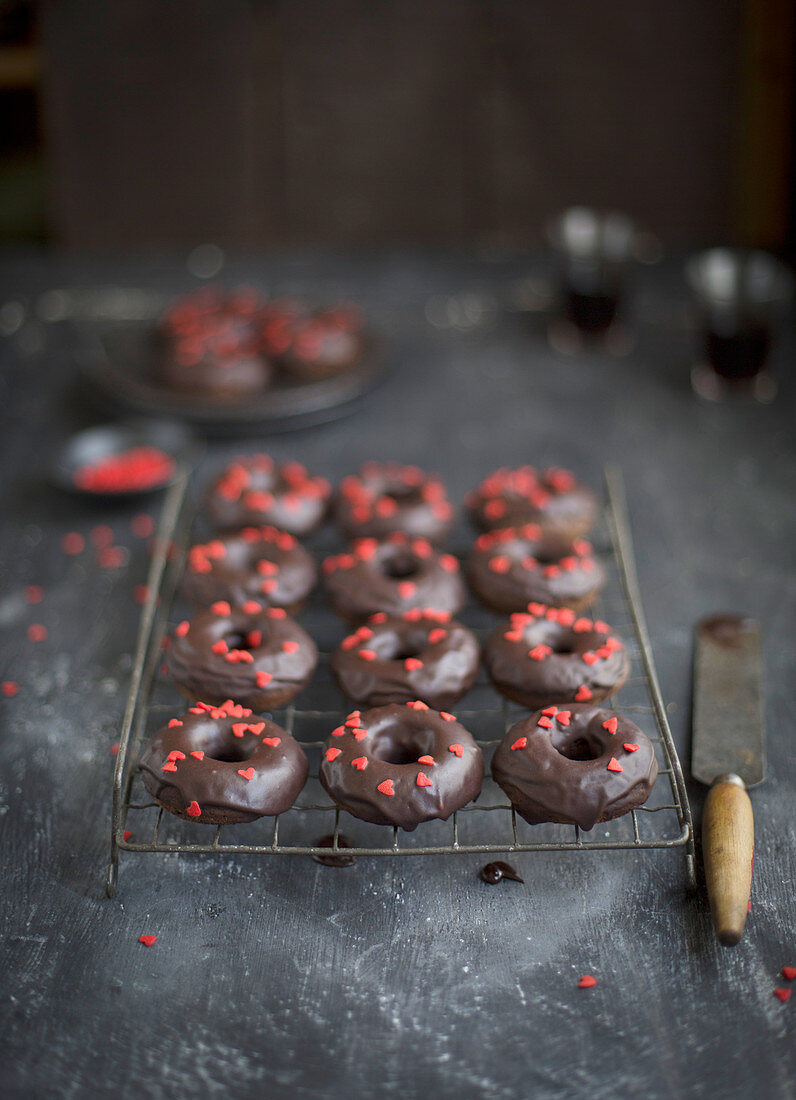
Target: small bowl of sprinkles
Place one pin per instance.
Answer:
(126, 459)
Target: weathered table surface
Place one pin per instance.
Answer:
(279, 976)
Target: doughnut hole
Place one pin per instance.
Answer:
(579, 747)
(404, 495)
(227, 753)
(401, 566)
(401, 744)
(397, 648)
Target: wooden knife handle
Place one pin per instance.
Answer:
(728, 845)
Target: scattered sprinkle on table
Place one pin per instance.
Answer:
(34, 593)
(102, 535)
(147, 940)
(111, 557)
(142, 525)
(587, 981)
(783, 994)
(132, 470)
(115, 748)
(37, 632)
(9, 688)
(788, 973)
(126, 834)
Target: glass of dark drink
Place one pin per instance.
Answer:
(739, 297)
(593, 249)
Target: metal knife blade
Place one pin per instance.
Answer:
(728, 730)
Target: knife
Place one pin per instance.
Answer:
(729, 754)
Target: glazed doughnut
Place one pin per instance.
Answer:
(554, 499)
(393, 576)
(417, 655)
(220, 766)
(387, 497)
(577, 766)
(259, 563)
(552, 655)
(313, 344)
(256, 655)
(511, 567)
(401, 764)
(211, 347)
(253, 491)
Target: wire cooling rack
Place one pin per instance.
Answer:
(488, 825)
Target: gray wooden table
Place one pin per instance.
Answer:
(281, 977)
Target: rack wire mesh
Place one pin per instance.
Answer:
(489, 825)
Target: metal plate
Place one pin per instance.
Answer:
(728, 729)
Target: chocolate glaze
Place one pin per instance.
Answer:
(387, 497)
(313, 344)
(393, 576)
(387, 744)
(334, 859)
(580, 789)
(537, 659)
(261, 633)
(493, 873)
(553, 499)
(232, 740)
(253, 491)
(510, 567)
(210, 345)
(259, 563)
(447, 651)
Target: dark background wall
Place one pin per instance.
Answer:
(370, 121)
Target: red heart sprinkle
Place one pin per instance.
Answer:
(520, 743)
(406, 589)
(417, 705)
(221, 607)
(539, 652)
(545, 723)
(257, 727)
(194, 810)
(610, 724)
(182, 628)
(613, 765)
(219, 647)
(272, 741)
(352, 719)
(783, 994)
(367, 655)
(500, 564)
(332, 754)
(581, 626)
(630, 748)
(789, 973)
(276, 613)
(174, 722)
(386, 788)
(438, 634)
(412, 663)
(169, 767)
(360, 762)
(429, 760)
(447, 717)
(199, 754)
(449, 563)
(587, 981)
(513, 635)
(246, 773)
(175, 754)
(563, 717)
(537, 608)
(589, 658)
(550, 711)
(582, 695)
(338, 732)
(126, 834)
(457, 750)
(263, 679)
(239, 728)
(251, 607)
(359, 734)
(254, 639)
(147, 940)
(9, 688)
(290, 647)
(115, 748)
(423, 780)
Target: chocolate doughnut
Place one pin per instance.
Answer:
(551, 655)
(577, 766)
(259, 563)
(253, 491)
(513, 566)
(385, 497)
(211, 346)
(219, 766)
(313, 344)
(393, 576)
(553, 498)
(417, 655)
(258, 656)
(401, 764)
